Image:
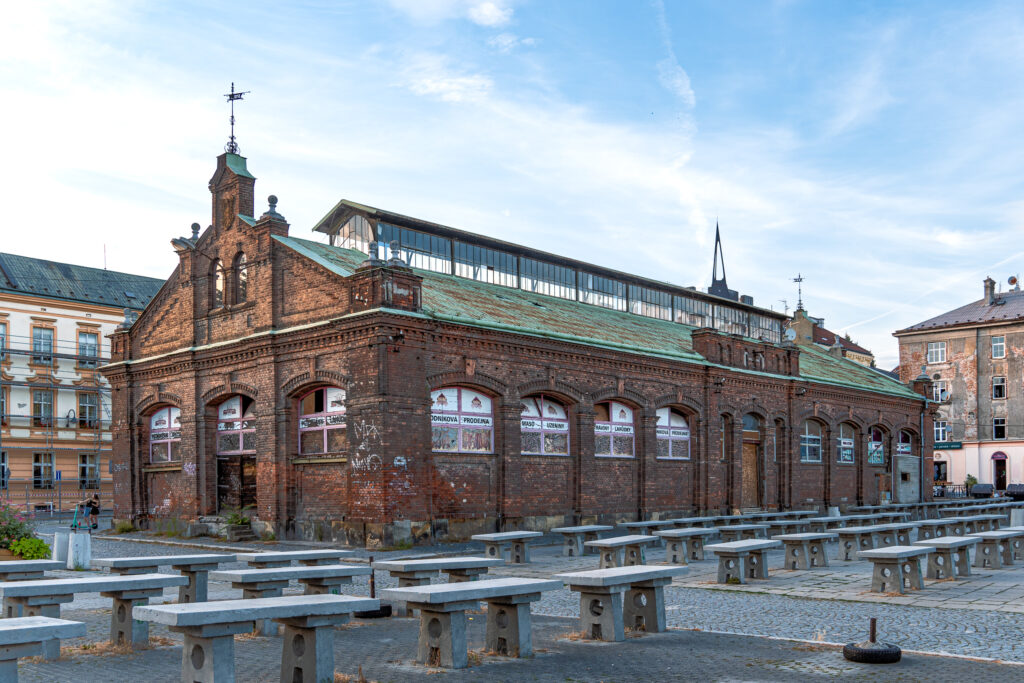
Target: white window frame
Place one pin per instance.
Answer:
(1000, 383)
(941, 429)
(936, 352)
(1001, 345)
(810, 443)
(938, 387)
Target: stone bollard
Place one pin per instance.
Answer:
(79, 551)
(60, 545)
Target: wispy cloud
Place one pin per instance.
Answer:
(670, 73)
(489, 13)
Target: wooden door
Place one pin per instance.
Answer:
(1000, 466)
(750, 494)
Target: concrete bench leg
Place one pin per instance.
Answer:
(400, 608)
(442, 639)
(307, 653)
(926, 533)
(509, 628)
(463, 575)
(676, 551)
(958, 529)
(634, 555)
(208, 660)
(886, 539)
(757, 564)
(816, 553)
(697, 549)
(911, 569)
(903, 537)
(520, 553)
(643, 606)
(9, 661)
(262, 627)
(125, 630)
(197, 588)
(796, 556)
(573, 545)
(987, 555)
(1006, 552)
(847, 549)
(591, 536)
(494, 550)
(887, 577)
(963, 561)
(732, 567)
(941, 564)
(611, 557)
(51, 648)
(601, 612)
(1018, 548)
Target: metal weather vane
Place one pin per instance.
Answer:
(232, 146)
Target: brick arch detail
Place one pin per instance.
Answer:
(160, 398)
(612, 393)
(568, 393)
(692, 404)
(478, 379)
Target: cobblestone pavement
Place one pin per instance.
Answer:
(976, 617)
(383, 649)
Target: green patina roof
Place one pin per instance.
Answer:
(36, 277)
(237, 164)
(479, 304)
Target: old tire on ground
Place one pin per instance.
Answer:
(872, 653)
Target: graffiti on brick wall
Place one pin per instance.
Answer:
(189, 469)
(367, 443)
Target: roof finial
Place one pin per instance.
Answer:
(799, 291)
(232, 146)
(719, 287)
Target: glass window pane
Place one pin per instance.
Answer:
(556, 444)
(476, 440)
(311, 442)
(531, 442)
(337, 440)
(445, 439)
(602, 445)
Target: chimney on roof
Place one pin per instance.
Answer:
(836, 349)
(990, 291)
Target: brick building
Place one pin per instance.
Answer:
(451, 383)
(974, 356)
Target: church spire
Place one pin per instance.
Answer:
(719, 287)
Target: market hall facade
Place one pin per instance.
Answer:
(410, 381)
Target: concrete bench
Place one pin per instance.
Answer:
(995, 548)
(990, 521)
(622, 551)
(511, 545)
(1016, 543)
(742, 560)
(611, 599)
(895, 565)
(690, 522)
(739, 532)
(856, 538)
(442, 639)
(209, 629)
(25, 636)
(419, 572)
(270, 583)
(896, 533)
(195, 568)
(574, 537)
(24, 570)
(646, 527)
(929, 529)
(683, 545)
(284, 558)
(787, 526)
(44, 597)
(820, 525)
(951, 558)
(805, 550)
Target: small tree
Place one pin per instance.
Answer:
(970, 481)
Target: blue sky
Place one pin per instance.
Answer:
(874, 147)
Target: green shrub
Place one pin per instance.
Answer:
(31, 549)
(970, 481)
(123, 526)
(13, 526)
(237, 516)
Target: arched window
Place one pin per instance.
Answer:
(545, 426)
(322, 421)
(165, 435)
(614, 434)
(673, 434)
(810, 442)
(846, 443)
(241, 279)
(905, 443)
(876, 447)
(236, 426)
(216, 284)
(461, 421)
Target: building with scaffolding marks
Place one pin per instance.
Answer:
(54, 404)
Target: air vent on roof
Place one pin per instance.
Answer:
(130, 295)
(538, 305)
